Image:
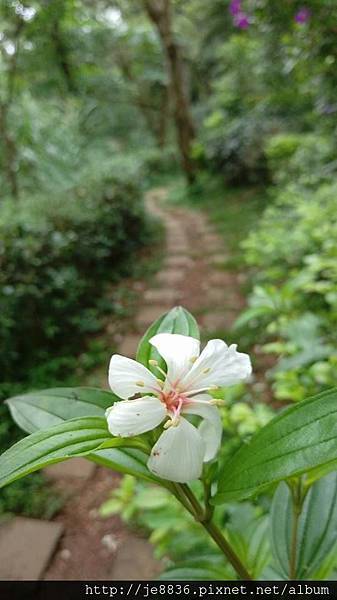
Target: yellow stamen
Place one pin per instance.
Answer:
(140, 383)
(153, 363)
(217, 402)
(206, 370)
(168, 424)
(193, 359)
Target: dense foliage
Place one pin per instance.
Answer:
(57, 254)
(72, 218)
(293, 306)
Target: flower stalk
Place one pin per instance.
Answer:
(297, 495)
(185, 495)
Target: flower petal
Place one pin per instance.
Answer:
(178, 454)
(178, 351)
(127, 377)
(218, 364)
(210, 427)
(133, 417)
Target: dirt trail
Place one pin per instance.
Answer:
(193, 275)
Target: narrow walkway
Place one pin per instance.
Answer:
(194, 275)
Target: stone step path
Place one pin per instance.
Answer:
(78, 544)
(26, 547)
(194, 274)
(77, 469)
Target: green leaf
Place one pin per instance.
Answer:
(189, 572)
(128, 461)
(38, 410)
(246, 531)
(317, 528)
(252, 313)
(300, 439)
(66, 440)
(177, 320)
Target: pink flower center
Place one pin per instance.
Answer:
(174, 401)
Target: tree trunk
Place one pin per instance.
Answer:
(163, 117)
(10, 149)
(159, 11)
(62, 55)
(10, 154)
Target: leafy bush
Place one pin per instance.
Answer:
(58, 251)
(294, 301)
(158, 161)
(238, 118)
(307, 159)
(235, 146)
(56, 256)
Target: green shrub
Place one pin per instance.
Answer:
(306, 158)
(234, 147)
(56, 255)
(58, 252)
(294, 301)
(159, 161)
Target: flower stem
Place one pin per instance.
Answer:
(197, 508)
(227, 549)
(297, 505)
(209, 509)
(183, 492)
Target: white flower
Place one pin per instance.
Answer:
(181, 449)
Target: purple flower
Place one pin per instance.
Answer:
(303, 15)
(235, 7)
(241, 20)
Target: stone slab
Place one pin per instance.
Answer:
(134, 561)
(148, 314)
(171, 277)
(174, 229)
(211, 243)
(128, 346)
(204, 230)
(26, 547)
(175, 248)
(226, 297)
(221, 278)
(219, 259)
(75, 468)
(179, 261)
(161, 296)
(216, 295)
(221, 321)
(176, 239)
